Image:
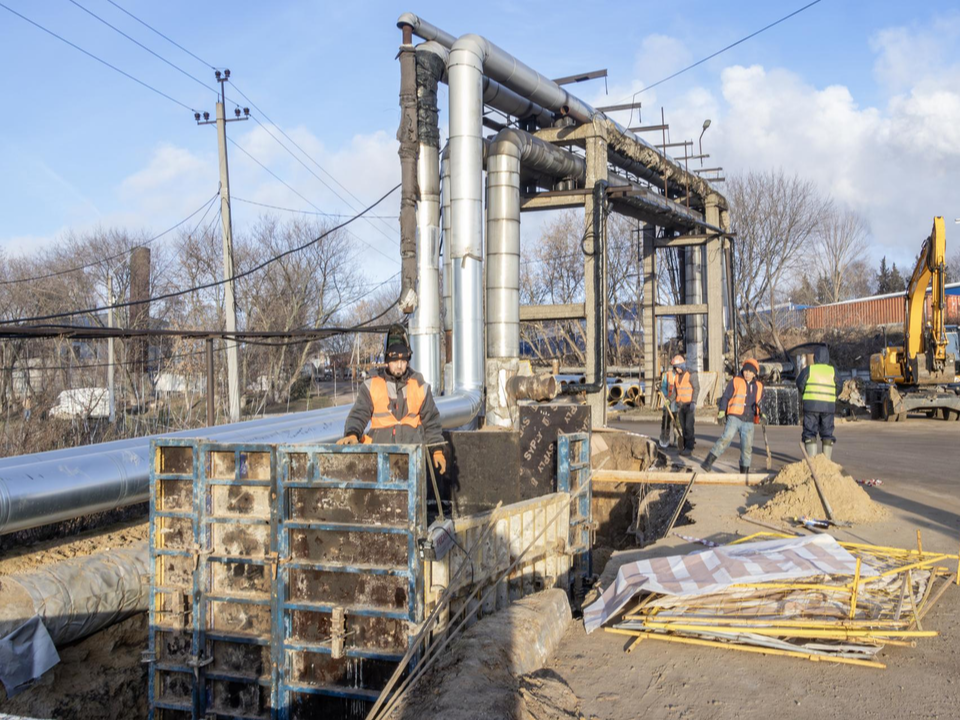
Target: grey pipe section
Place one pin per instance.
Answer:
(447, 271)
(425, 320)
(465, 73)
(510, 151)
(494, 94)
(78, 597)
(502, 67)
(40, 493)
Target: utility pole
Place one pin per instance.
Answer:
(229, 299)
(111, 386)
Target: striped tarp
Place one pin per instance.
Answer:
(713, 570)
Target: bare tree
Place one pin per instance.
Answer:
(841, 242)
(776, 217)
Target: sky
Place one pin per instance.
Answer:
(863, 99)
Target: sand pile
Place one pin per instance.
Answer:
(795, 495)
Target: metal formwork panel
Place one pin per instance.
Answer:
(220, 655)
(174, 641)
(573, 476)
(350, 583)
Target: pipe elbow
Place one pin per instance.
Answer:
(408, 18)
(471, 43)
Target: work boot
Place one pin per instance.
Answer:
(744, 469)
(686, 452)
(811, 447)
(828, 450)
(708, 462)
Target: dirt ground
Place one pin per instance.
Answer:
(919, 464)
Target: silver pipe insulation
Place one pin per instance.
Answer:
(494, 94)
(502, 67)
(465, 73)
(50, 491)
(425, 320)
(510, 150)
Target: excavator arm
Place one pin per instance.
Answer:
(922, 350)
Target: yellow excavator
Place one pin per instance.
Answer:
(921, 374)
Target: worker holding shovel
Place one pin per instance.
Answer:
(740, 405)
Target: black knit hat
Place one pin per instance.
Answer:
(397, 347)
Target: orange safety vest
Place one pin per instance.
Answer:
(684, 388)
(382, 416)
(738, 402)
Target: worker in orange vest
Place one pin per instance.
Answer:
(397, 403)
(683, 391)
(740, 405)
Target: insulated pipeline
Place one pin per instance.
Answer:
(102, 478)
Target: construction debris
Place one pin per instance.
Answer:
(811, 597)
(794, 495)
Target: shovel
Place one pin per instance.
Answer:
(763, 426)
(676, 425)
(823, 498)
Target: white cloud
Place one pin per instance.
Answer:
(897, 164)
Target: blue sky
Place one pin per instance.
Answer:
(859, 97)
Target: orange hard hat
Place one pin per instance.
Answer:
(677, 360)
(754, 365)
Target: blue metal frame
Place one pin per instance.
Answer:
(414, 487)
(572, 474)
(156, 514)
(203, 519)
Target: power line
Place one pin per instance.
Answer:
(206, 286)
(140, 44)
(297, 145)
(249, 101)
(299, 195)
(322, 181)
(305, 212)
(153, 29)
(208, 204)
(723, 50)
(98, 59)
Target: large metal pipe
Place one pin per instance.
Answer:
(502, 67)
(40, 493)
(510, 151)
(465, 73)
(425, 321)
(494, 94)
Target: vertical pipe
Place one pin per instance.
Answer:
(409, 148)
(503, 251)
(447, 271)
(425, 321)
(465, 73)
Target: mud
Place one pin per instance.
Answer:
(795, 495)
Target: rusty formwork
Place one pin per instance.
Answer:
(288, 581)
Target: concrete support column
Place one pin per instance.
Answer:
(651, 370)
(714, 299)
(596, 147)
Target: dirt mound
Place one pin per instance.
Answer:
(794, 495)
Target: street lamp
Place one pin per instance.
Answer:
(706, 124)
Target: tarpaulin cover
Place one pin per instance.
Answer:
(26, 654)
(714, 570)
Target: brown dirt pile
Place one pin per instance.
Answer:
(795, 495)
